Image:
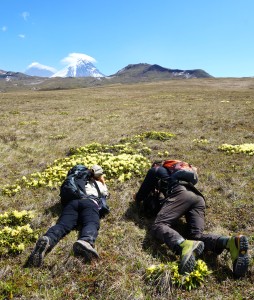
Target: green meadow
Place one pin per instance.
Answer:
(124, 127)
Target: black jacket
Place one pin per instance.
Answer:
(159, 178)
(154, 177)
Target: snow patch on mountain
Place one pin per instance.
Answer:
(79, 68)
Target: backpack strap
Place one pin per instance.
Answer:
(97, 188)
(103, 207)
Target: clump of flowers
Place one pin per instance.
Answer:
(243, 148)
(167, 275)
(34, 122)
(58, 137)
(157, 135)
(16, 218)
(201, 141)
(163, 154)
(15, 231)
(152, 135)
(120, 162)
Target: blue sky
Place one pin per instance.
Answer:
(214, 35)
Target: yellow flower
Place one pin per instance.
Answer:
(21, 247)
(151, 269)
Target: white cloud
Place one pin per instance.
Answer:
(25, 15)
(72, 58)
(4, 28)
(22, 36)
(40, 66)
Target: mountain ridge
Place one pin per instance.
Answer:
(86, 69)
(132, 73)
(148, 70)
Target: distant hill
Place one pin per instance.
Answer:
(143, 70)
(85, 75)
(9, 75)
(84, 68)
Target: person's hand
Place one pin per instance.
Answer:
(101, 179)
(195, 169)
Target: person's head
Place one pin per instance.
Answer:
(97, 171)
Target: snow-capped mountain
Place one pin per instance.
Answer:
(39, 72)
(81, 68)
(37, 69)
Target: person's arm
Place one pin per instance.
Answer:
(101, 179)
(186, 175)
(102, 185)
(147, 185)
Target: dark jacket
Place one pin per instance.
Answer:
(159, 178)
(155, 176)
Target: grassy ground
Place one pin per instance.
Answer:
(39, 127)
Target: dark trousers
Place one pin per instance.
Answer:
(82, 213)
(183, 202)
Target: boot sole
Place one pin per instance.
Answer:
(80, 250)
(189, 262)
(36, 258)
(241, 264)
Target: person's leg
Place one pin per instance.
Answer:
(66, 222)
(170, 212)
(238, 248)
(236, 245)
(174, 208)
(195, 218)
(89, 221)
(178, 205)
(36, 257)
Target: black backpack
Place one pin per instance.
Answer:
(73, 186)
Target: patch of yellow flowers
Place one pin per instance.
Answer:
(120, 162)
(58, 136)
(152, 135)
(243, 148)
(201, 141)
(34, 122)
(15, 217)
(15, 231)
(156, 135)
(188, 281)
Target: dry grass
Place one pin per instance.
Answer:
(39, 127)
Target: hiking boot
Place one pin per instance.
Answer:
(85, 249)
(190, 249)
(36, 257)
(238, 247)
